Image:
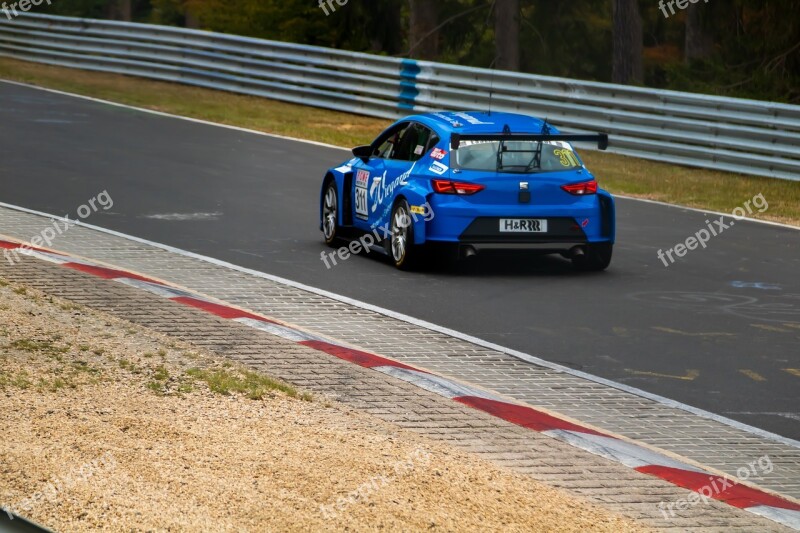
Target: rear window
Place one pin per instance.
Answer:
(517, 156)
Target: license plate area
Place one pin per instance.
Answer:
(523, 225)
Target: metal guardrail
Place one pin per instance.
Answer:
(737, 135)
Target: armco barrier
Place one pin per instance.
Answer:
(737, 135)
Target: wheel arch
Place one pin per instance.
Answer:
(414, 198)
(325, 181)
(330, 176)
(608, 214)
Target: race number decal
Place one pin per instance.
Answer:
(362, 179)
(567, 157)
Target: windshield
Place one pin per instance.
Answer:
(517, 156)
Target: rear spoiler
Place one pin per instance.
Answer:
(600, 138)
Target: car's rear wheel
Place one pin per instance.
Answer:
(596, 257)
(330, 214)
(405, 254)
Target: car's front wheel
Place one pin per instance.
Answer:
(596, 257)
(405, 254)
(330, 214)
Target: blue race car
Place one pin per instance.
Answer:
(466, 182)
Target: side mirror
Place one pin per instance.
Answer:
(363, 152)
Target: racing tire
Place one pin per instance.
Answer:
(403, 252)
(596, 258)
(330, 214)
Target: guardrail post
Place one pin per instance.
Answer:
(407, 99)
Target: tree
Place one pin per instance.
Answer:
(119, 10)
(423, 35)
(698, 42)
(384, 26)
(627, 42)
(506, 34)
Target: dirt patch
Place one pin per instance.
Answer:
(112, 426)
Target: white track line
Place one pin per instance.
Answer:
(432, 327)
(706, 211)
(326, 145)
(170, 115)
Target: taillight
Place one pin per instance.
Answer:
(456, 187)
(581, 189)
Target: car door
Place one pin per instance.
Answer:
(397, 168)
(413, 144)
(364, 172)
(377, 181)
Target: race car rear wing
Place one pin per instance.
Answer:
(600, 138)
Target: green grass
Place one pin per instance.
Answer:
(58, 383)
(124, 364)
(160, 373)
(251, 384)
(83, 366)
(705, 189)
(36, 346)
(159, 378)
(20, 380)
(157, 387)
(54, 385)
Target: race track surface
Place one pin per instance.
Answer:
(719, 330)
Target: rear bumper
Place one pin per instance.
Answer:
(587, 219)
(484, 233)
(544, 247)
(567, 249)
(463, 249)
(487, 230)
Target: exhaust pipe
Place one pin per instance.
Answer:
(576, 251)
(468, 251)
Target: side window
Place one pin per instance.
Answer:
(388, 143)
(408, 143)
(414, 143)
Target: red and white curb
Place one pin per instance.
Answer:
(636, 456)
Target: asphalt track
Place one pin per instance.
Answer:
(719, 330)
